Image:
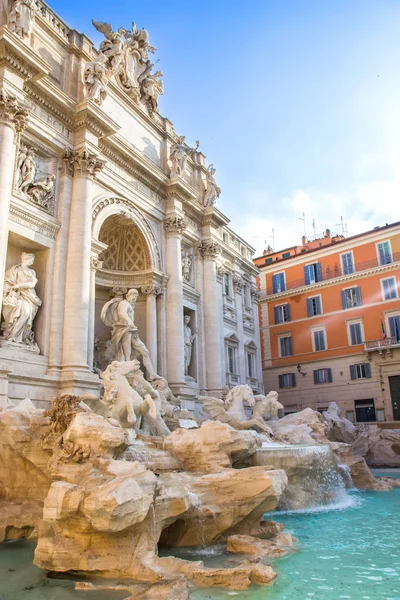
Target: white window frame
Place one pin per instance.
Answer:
(341, 261)
(287, 387)
(231, 342)
(280, 336)
(314, 330)
(280, 306)
(227, 275)
(284, 279)
(352, 287)
(387, 314)
(377, 251)
(320, 301)
(360, 365)
(382, 288)
(354, 322)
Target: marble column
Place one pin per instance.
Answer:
(13, 120)
(84, 166)
(174, 228)
(238, 290)
(162, 333)
(215, 372)
(200, 323)
(255, 295)
(151, 292)
(95, 264)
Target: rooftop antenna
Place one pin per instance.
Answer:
(313, 226)
(303, 218)
(343, 225)
(273, 238)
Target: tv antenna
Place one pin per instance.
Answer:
(273, 238)
(303, 218)
(343, 225)
(314, 227)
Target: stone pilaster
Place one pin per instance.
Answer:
(215, 370)
(238, 284)
(151, 292)
(255, 296)
(83, 166)
(95, 264)
(13, 120)
(174, 228)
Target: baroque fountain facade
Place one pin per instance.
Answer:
(128, 306)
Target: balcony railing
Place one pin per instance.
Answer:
(328, 273)
(382, 344)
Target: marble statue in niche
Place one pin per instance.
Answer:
(20, 303)
(119, 314)
(40, 191)
(189, 338)
(96, 78)
(187, 265)
(179, 155)
(213, 191)
(21, 17)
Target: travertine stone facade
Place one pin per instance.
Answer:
(108, 197)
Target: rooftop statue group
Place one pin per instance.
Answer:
(124, 55)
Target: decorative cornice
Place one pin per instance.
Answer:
(151, 289)
(334, 281)
(209, 249)
(174, 226)
(95, 120)
(20, 57)
(82, 163)
(12, 111)
(40, 224)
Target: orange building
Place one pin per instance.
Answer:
(330, 324)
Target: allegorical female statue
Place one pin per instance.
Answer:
(20, 303)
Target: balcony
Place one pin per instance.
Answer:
(382, 346)
(327, 273)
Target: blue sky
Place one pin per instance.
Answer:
(296, 102)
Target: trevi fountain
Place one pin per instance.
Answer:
(140, 456)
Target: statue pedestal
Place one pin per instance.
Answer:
(33, 349)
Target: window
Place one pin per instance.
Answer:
(231, 360)
(286, 255)
(351, 297)
(314, 306)
(287, 380)
(319, 340)
(250, 364)
(355, 334)
(286, 345)
(268, 260)
(323, 376)
(282, 313)
(365, 410)
(394, 327)
(389, 288)
(361, 371)
(312, 273)
(278, 283)
(347, 263)
(227, 286)
(384, 253)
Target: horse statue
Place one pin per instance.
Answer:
(231, 410)
(124, 403)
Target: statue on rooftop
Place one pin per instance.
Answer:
(212, 191)
(21, 17)
(179, 154)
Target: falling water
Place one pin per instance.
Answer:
(315, 479)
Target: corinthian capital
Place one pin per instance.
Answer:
(12, 111)
(209, 249)
(151, 289)
(174, 226)
(82, 163)
(238, 283)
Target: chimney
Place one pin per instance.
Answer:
(328, 233)
(303, 240)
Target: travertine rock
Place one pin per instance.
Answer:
(304, 427)
(19, 519)
(211, 448)
(380, 447)
(247, 544)
(360, 473)
(339, 429)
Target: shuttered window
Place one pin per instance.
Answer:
(281, 313)
(286, 345)
(312, 273)
(278, 283)
(287, 380)
(361, 371)
(323, 376)
(384, 253)
(351, 297)
(355, 334)
(389, 288)
(347, 263)
(394, 327)
(319, 340)
(314, 306)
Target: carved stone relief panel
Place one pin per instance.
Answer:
(188, 265)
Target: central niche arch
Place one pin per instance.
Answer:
(127, 249)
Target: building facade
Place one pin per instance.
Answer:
(330, 324)
(98, 186)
